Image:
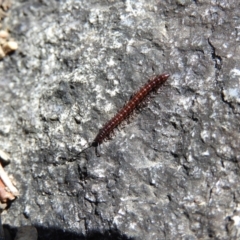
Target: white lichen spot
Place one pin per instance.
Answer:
(121, 212)
(100, 172)
(236, 220)
(235, 72)
(111, 63)
(115, 82)
(138, 8)
(205, 135)
(132, 225)
(83, 142)
(108, 107)
(132, 136)
(206, 153)
(117, 220)
(185, 102)
(232, 94)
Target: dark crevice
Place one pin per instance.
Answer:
(218, 66)
(217, 60)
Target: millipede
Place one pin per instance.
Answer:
(125, 112)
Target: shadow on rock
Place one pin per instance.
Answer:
(59, 234)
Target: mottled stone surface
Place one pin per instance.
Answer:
(173, 172)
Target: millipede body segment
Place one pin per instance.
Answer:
(105, 132)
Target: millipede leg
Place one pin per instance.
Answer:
(96, 152)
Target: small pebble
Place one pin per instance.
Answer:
(4, 34)
(9, 47)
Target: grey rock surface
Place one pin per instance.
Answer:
(173, 172)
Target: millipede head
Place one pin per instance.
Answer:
(94, 144)
(164, 76)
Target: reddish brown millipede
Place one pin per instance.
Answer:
(106, 131)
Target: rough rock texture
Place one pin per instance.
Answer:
(173, 172)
